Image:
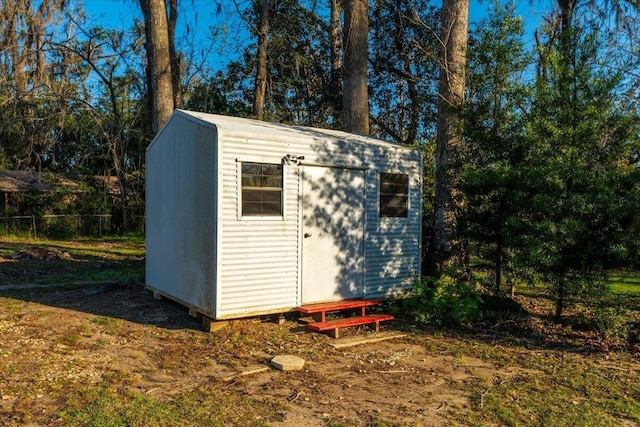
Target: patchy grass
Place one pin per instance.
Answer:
(47, 262)
(551, 387)
(109, 247)
(372, 422)
(102, 406)
(562, 391)
(625, 282)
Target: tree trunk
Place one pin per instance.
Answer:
(561, 294)
(334, 38)
(117, 153)
(567, 86)
(355, 102)
(334, 94)
(449, 137)
(159, 63)
(173, 54)
(260, 92)
(499, 258)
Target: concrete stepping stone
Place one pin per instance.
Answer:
(287, 363)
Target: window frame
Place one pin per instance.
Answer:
(263, 177)
(387, 198)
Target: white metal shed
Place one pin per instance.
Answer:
(246, 217)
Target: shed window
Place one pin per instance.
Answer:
(261, 189)
(394, 194)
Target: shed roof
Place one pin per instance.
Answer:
(257, 126)
(12, 181)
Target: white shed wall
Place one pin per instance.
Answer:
(180, 215)
(393, 245)
(259, 258)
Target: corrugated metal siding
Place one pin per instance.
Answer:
(181, 205)
(259, 262)
(392, 245)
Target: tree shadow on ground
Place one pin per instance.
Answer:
(101, 281)
(529, 322)
(126, 301)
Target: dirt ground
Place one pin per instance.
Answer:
(58, 342)
(54, 339)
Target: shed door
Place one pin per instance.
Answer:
(332, 234)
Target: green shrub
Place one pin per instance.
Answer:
(64, 227)
(446, 302)
(611, 322)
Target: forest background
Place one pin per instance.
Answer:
(544, 186)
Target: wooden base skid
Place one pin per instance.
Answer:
(208, 323)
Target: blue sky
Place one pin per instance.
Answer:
(113, 13)
(201, 15)
(118, 11)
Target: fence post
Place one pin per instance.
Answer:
(35, 231)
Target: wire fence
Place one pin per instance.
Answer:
(66, 226)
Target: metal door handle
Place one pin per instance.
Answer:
(307, 235)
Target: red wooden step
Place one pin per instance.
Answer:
(335, 325)
(337, 305)
(324, 307)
